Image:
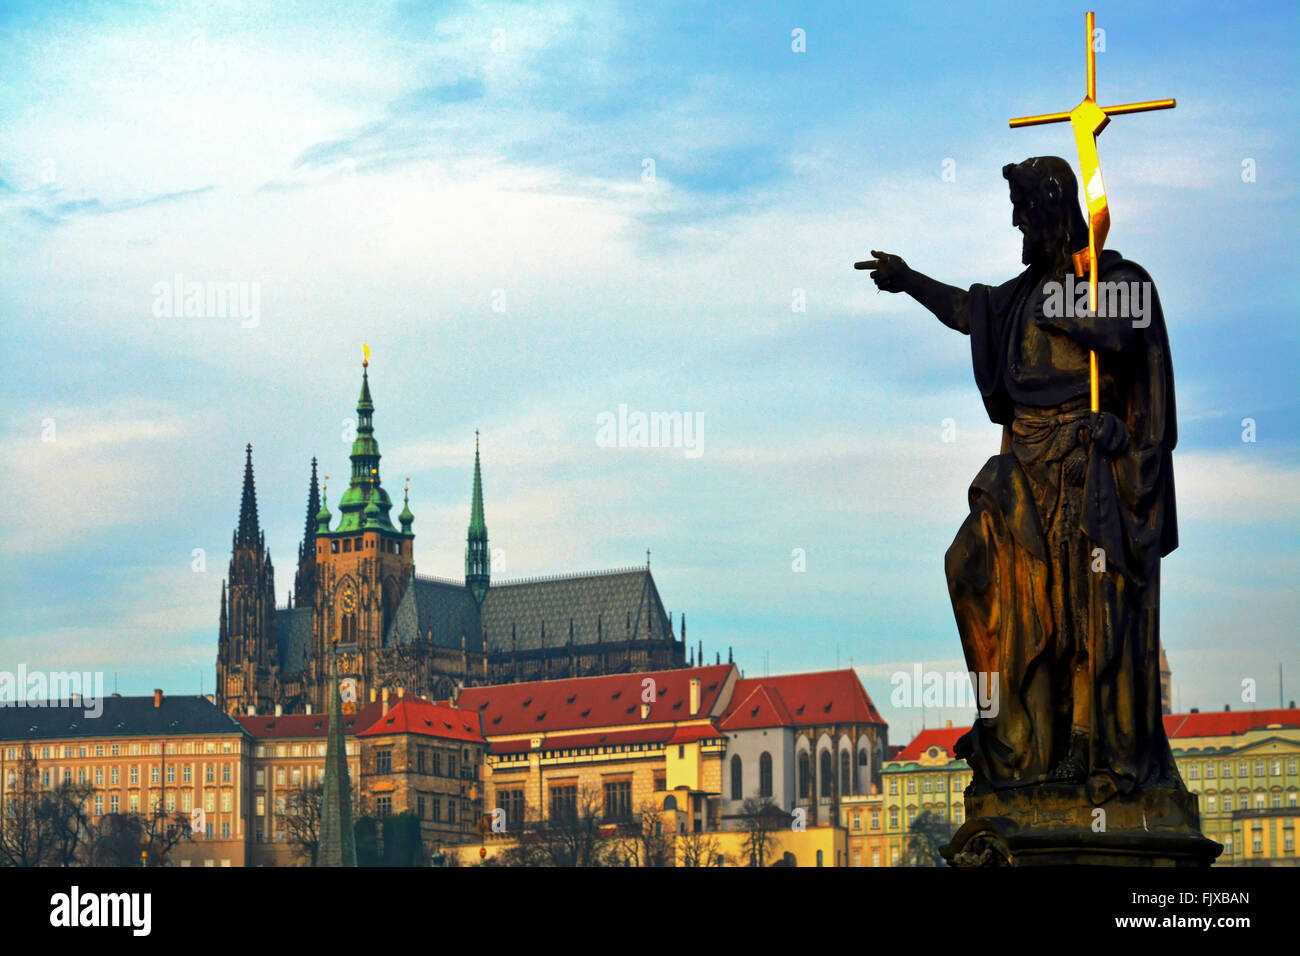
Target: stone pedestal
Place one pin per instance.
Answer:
(1056, 824)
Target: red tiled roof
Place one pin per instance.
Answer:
(413, 715)
(942, 737)
(1228, 722)
(309, 725)
(800, 700)
(692, 732)
(590, 703)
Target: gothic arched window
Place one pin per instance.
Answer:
(765, 774)
(737, 779)
(805, 776)
(825, 771)
(845, 774)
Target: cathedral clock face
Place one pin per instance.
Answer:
(349, 599)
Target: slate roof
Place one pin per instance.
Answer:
(609, 605)
(293, 638)
(121, 717)
(437, 609)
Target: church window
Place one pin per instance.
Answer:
(805, 776)
(827, 773)
(845, 773)
(737, 778)
(765, 774)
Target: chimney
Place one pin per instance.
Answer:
(948, 724)
(252, 711)
(309, 710)
(1195, 710)
(1226, 708)
(645, 711)
(695, 696)
(279, 710)
(157, 697)
(385, 695)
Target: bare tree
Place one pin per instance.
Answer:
(302, 820)
(698, 849)
(42, 826)
(643, 842)
(760, 818)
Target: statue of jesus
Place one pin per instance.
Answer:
(1055, 574)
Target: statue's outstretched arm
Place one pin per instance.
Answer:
(948, 303)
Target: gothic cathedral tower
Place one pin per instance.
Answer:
(248, 659)
(363, 567)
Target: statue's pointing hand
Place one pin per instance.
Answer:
(887, 270)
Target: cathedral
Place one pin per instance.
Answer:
(356, 595)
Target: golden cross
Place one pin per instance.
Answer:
(1088, 120)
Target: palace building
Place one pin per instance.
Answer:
(356, 592)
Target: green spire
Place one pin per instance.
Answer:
(406, 517)
(338, 844)
(323, 516)
(477, 558)
(364, 488)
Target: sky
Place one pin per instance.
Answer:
(535, 214)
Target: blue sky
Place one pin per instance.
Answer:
(387, 175)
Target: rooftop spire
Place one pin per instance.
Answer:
(313, 508)
(477, 559)
(337, 837)
(248, 535)
(364, 489)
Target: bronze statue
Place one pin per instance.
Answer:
(1055, 574)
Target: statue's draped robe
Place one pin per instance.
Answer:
(1029, 606)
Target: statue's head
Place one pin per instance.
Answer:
(1045, 207)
